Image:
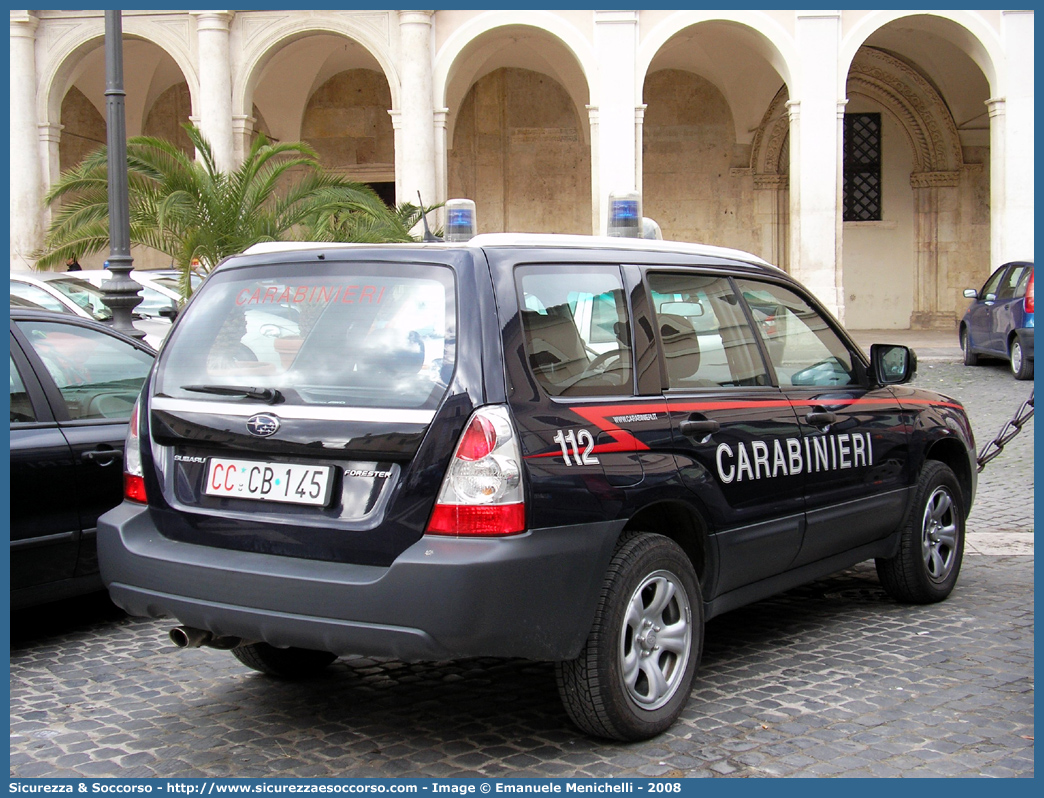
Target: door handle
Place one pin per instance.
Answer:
(103, 457)
(699, 427)
(820, 418)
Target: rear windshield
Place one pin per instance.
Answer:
(358, 335)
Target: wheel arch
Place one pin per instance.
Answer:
(951, 452)
(681, 523)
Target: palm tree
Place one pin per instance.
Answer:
(198, 215)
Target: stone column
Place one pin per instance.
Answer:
(815, 159)
(26, 155)
(415, 146)
(936, 201)
(242, 136)
(441, 165)
(639, 133)
(614, 162)
(215, 84)
(998, 173)
(772, 198)
(597, 220)
(50, 138)
(1017, 222)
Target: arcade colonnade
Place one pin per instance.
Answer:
(731, 124)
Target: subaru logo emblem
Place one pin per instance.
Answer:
(262, 425)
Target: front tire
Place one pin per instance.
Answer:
(634, 674)
(970, 358)
(931, 545)
(285, 663)
(1021, 366)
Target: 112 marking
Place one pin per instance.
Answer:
(575, 440)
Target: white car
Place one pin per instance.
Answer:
(155, 297)
(63, 292)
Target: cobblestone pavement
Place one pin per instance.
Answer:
(831, 679)
(1004, 502)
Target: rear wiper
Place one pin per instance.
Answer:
(270, 395)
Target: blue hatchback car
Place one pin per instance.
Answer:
(999, 322)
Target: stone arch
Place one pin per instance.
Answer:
(70, 45)
(462, 56)
(771, 146)
(921, 112)
(268, 35)
(934, 240)
(966, 29)
(774, 43)
(770, 165)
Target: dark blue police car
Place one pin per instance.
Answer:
(562, 448)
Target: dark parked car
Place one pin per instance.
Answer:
(563, 448)
(73, 384)
(999, 322)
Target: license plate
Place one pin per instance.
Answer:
(273, 482)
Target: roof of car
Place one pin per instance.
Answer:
(535, 240)
(24, 314)
(45, 276)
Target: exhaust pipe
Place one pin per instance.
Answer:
(188, 637)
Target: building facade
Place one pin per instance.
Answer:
(885, 158)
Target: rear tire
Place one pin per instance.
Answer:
(1021, 366)
(285, 663)
(931, 545)
(634, 674)
(970, 358)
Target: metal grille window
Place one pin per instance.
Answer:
(862, 179)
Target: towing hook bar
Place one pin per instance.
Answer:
(189, 637)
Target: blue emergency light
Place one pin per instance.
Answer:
(625, 214)
(460, 220)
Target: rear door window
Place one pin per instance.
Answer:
(356, 335)
(575, 327)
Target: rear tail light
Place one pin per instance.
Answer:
(481, 493)
(133, 475)
(1029, 295)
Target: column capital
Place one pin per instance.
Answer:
(616, 17)
(825, 14)
(396, 118)
(213, 20)
(920, 180)
(996, 106)
(24, 24)
(242, 123)
(639, 113)
(440, 115)
(50, 133)
(415, 17)
(794, 109)
(841, 104)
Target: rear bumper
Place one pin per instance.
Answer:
(532, 595)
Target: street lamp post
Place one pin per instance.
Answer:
(121, 293)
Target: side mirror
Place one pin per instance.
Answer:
(892, 364)
(971, 293)
(169, 312)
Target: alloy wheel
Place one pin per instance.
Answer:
(656, 640)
